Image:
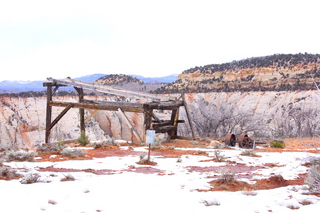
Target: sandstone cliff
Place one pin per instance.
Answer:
(285, 72)
(267, 114)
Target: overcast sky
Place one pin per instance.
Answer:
(40, 39)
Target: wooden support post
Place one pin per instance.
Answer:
(147, 120)
(49, 113)
(188, 114)
(81, 111)
(174, 122)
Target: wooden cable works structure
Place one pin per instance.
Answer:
(151, 121)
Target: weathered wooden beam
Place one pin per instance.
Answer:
(127, 107)
(188, 114)
(91, 116)
(59, 117)
(135, 132)
(164, 129)
(81, 110)
(48, 113)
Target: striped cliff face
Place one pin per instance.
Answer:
(269, 114)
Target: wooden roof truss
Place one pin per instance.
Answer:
(151, 121)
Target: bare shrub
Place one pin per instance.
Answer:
(73, 153)
(68, 177)
(143, 157)
(109, 142)
(30, 178)
(210, 202)
(305, 202)
(20, 156)
(50, 147)
(8, 172)
(312, 160)
(249, 153)
(156, 145)
(218, 156)
(226, 176)
(313, 179)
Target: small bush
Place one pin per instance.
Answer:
(218, 156)
(305, 202)
(313, 179)
(109, 142)
(194, 142)
(50, 147)
(20, 156)
(156, 145)
(30, 178)
(277, 144)
(219, 146)
(83, 140)
(68, 177)
(313, 160)
(73, 153)
(250, 153)
(172, 147)
(226, 176)
(143, 157)
(8, 172)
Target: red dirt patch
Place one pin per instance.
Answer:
(264, 184)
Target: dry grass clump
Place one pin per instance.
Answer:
(226, 176)
(19, 156)
(249, 153)
(30, 178)
(51, 147)
(218, 157)
(8, 173)
(210, 202)
(313, 179)
(68, 177)
(109, 142)
(73, 153)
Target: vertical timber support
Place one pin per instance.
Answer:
(49, 113)
(147, 120)
(174, 122)
(81, 111)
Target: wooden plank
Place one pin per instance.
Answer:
(59, 117)
(188, 114)
(107, 89)
(118, 90)
(135, 132)
(127, 107)
(91, 116)
(168, 128)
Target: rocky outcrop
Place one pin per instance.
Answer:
(269, 73)
(22, 122)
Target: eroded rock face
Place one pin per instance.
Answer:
(22, 120)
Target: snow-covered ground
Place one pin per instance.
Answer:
(172, 189)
